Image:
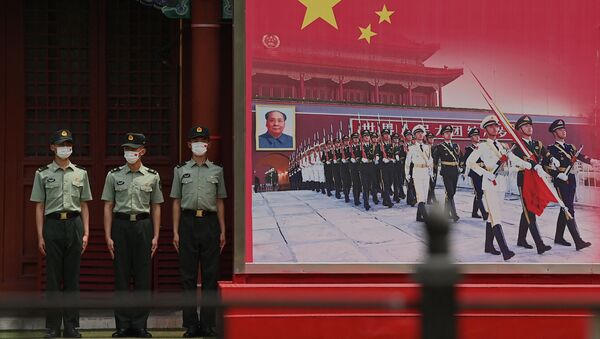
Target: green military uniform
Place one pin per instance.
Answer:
(198, 187)
(62, 191)
(132, 231)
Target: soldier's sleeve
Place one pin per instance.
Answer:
(108, 193)
(471, 161)
(176, 186)
(221, 192)
(38, 194)
(86, 193)
(157, 195)
(546, 156)
(407, 163)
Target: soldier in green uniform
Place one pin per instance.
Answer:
(132, 196)
(61, 191)
(198, 194)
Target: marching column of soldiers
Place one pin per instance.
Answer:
(363, 165)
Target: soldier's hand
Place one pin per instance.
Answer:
(563, 177)
(222, 241)
(111, 247)
(176, 242)
(42, 246)
(154, 246)
(84, 242)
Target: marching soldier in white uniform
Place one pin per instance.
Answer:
(419, 167)
(494, 154)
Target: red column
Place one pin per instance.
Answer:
(410, 98)
(205, 70)
(341, 89)
(440, 95)
(302, 89)
(376, 92)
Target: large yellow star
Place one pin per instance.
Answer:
(366, 33)
(384, 15)
(316, 9)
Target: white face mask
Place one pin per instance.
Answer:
(64, 152)
(199, 148)
(132, 157)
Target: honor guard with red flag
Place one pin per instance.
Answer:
(419, 168)
(565, 183)
(448, 154)
(399, 155)
(475, 178)
(540, 157)
(494, 171)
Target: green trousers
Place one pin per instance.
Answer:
(63, 240)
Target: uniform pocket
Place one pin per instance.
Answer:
(76, 188)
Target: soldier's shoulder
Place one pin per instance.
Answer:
(181, 164)
(43, 168)
(81, 168)
(152, 171)
(115, 170)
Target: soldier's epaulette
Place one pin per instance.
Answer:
(43, 168)
(182, 164)
(150, 170)
(116, 169)
(80, 167)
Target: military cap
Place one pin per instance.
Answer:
(418, 128)
(374, 135)
(198, 132)
(134, 140)
(522, 121)
(446, 128)
(355, 135)
(365, 133)
(385, 131)
(336, 140)
(407, 132)
(346, 138)
(429, 134)
(395, 136)
(489, 121)
(473, 131)
(273, 111)
(61, 136)
(557, 124)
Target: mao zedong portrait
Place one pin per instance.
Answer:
(274, 136)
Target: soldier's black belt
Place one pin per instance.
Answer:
(198, 213)
(62, 215)
(132, 217)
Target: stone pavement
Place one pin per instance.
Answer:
(308, 227)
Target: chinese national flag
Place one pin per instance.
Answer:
(536, 193)
(352, 26)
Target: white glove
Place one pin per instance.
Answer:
(398, 158)
(430, 172)
(540, 171)
(409, 178)
(377, 158)
(555, 163)
(527, 165)
(489, 175)
(563, 176)
(364, 160)
(386, 160)
(353, 160)
(561, 204)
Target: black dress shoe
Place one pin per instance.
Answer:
(208, 333)
(563, 242)
(140, 333)
(71, 333)
(121, 333)
(582, 245)
(476, 216)
(193, 332)
(543, 248)
(525, 244)
(51, 333)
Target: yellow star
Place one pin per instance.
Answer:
(366, 33)
(316, 9)
(384, 15)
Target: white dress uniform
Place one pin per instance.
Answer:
(419, 155)
(494, 186)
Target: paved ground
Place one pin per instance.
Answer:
(308, 227)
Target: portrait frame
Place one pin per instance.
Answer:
(260, 128)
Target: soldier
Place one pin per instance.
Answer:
(346, 154)
(327, 160)
(565, 183)
(132, 196)
(419, 167)
(494, 155)
(386, 154)
(335, 167)
(318, 165)
(367, 169)
(411, 196)
(449, 155)
(429, 140)
(355, 167)
(198, 194)
(376, 166)
(475, 178)
(61, 191)
(399, 155)
(542, 158)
